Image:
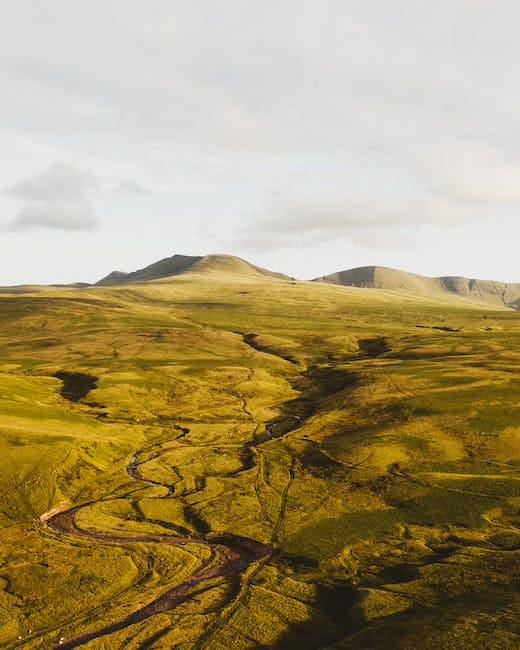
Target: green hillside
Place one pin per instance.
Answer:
(229, 459)
(179, 264)
(490, 292)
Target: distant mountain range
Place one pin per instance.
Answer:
(368, 277)
(380, 277)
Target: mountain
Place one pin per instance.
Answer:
(180, 264)
(369, 277)
(380, 277)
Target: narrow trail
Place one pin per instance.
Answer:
(283, 504)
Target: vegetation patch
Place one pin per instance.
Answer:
(76, 385)
(374, 347)
(377, 462)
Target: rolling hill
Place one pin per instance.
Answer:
(488, 292)
(220, 459)
(380, 277)
(180, 264)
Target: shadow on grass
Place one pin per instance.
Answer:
(331, 622)
(76, 384)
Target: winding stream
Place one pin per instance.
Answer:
(229, 554)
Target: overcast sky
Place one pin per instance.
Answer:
(307, 137)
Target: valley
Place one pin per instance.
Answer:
(227, 457)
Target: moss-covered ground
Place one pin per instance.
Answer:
(377, 453)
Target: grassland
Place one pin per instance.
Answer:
(371, 440)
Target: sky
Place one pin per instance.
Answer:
(306, 137)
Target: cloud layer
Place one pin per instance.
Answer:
(298, 218)
(278, 123)
(133, 187)
(55, 198)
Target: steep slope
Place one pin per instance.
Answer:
(380, 277)
(233, 265)
(179, 264)
(161, 269)
(485, 290)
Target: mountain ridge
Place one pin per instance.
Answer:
(180, 264)
(506, 294)
(388, 279)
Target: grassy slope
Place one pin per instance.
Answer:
(393, 507)
(380, 277)
(180, 264)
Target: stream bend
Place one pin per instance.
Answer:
(229, 555)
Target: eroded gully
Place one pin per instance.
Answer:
(229, 554)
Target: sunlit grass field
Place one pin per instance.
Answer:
(372, 439)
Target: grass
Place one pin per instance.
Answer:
(385, 474)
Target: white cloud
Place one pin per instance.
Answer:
(471, 173)
(55, 198)
(59, 182)
(65, 215)
(212, 103)
(293, 218)
(133, 187)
